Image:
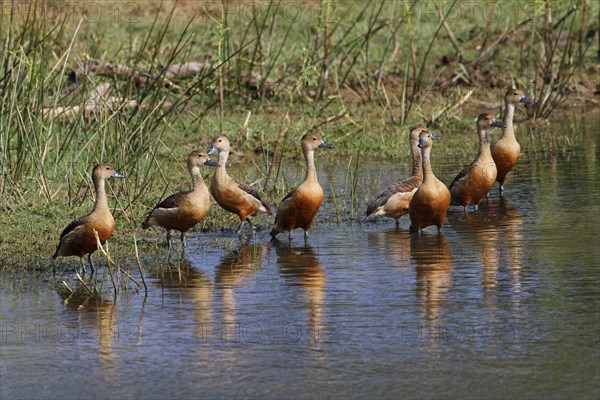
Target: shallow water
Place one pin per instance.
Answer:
(504, 303)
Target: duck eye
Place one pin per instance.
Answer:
(314, 138)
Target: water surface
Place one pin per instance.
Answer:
(504, 303)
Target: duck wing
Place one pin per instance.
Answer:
(460, 175)
(172, 201)
(287, 196)
(252, 192)
(407, 185)
(71, 227)
(169, 203)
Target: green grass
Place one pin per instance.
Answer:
(374, 92)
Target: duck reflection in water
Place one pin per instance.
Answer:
(96, 319)
(509, 252)
(186, 282)
(394, 243)
(493, 236)
(432, 257)
(299, 266)
(236, 266)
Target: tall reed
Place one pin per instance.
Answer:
(361, 71)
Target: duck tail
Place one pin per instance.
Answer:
(267, 209)
(55, 255)
(146, 224)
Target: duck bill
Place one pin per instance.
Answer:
(435, 137)
(117, 174)
(422, 143)
(525, 100)
(211, 163)
(213, 149)
(324, 145)
(497, 124)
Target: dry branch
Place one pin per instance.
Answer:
(453, 107)
(187, 70)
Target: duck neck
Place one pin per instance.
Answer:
(221, 171)
(101, 203)
(417, 167)
(197, 181)
(509, 131)
(484, 143)
(427, 172)
(311, 170)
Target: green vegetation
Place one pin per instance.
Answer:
(82, 83)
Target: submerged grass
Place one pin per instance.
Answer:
(360, 73)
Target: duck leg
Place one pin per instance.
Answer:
(169, 243)
(397, 223)
(414, 230)
(92, 269)
(82, 266)
(183, 243)
(239, 231)
(254, 227)
(500, 189)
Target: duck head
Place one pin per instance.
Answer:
(198, 158)
(312, 141)
(219, 143)
(516, 96)
(105, 171)
(415, 132)
(426, 139)
(487, 121)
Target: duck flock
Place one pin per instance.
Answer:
(422, 196)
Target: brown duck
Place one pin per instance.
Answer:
(79, 237)
(430, 202)
(233, 196)
(506, 151)
(477, 178)
(394, 200)
(183, 210)
(299, 208)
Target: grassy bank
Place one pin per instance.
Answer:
(82, 83)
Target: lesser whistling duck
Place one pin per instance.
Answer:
(183, 210)
(477, 178)
(299, 208)
(393, 201)
(78, 238)
(506, 150)
(233, 196)
(430, 202)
